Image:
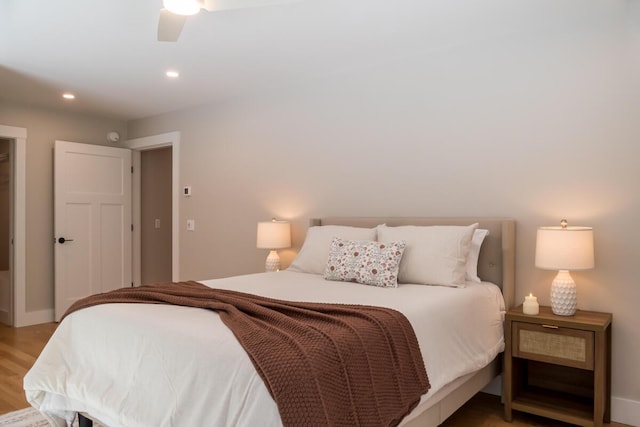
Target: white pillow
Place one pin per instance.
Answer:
(365, 262)
(474, 253)
(314, 253)
(435, 255)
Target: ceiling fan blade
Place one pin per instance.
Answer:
(216, 5)
(169, 26)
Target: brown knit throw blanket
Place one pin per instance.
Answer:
(324, 364)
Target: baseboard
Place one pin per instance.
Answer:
(29, 318)
(625, 411)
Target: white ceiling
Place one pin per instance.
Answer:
(105, 51)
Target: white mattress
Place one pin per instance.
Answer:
(158, 365)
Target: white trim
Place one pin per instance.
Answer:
(136, 218)
(20, 234)
(13, 132)
(625, 411)
(170, 139)
(37, 317)
(19, 136)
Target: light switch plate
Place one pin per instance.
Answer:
(191, 225)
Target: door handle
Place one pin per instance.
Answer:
(62, 240)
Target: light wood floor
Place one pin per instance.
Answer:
(19, 348)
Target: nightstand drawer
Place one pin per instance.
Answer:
(553, 344)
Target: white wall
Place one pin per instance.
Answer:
(539, 125)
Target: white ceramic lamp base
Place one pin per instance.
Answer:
(273, 261)
(564, 297)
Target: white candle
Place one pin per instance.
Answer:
(530, 305)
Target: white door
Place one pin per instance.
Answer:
(92, 223)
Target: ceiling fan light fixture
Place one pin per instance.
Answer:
(182, 7)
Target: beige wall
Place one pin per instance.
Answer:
(5, 197)
(43, 128)
(536, 126)
(155, 201)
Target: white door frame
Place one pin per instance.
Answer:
(137, 145)
(18, 269)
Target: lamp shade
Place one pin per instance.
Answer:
(569, 248)
(273, 235)
(182, 7)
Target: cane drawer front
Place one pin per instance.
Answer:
(553, 344)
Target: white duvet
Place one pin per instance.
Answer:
(131, 365)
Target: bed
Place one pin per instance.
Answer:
(135, 365)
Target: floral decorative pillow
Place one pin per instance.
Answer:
(366, 262)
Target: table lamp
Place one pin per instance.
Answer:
(273, 235)
(564, 248)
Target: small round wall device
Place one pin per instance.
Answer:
(113, 136)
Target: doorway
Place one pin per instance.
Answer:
(138, 146)
(18, 155)
(155, 215)
(6, 208)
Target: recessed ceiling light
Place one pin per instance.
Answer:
(172, 74)
(68, 96)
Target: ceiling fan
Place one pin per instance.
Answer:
(175, 12)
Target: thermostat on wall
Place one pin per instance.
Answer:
(187, 191)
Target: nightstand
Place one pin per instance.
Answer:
(558, 366)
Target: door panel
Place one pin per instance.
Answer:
(75, 256)
(92, 194)
(103, 165)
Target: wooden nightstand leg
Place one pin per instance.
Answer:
(507, 376)
(508, 412)
(507, 390)
(607, 396)
(600, 383)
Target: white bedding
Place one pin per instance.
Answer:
(158, 365)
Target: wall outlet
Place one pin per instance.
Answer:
(156, 223)
(191, 225)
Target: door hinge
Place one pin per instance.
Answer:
(131, 227)
(131, 169)
(132, 284)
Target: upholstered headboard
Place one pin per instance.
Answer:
(497, 256)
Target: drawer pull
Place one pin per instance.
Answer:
(550, 326)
